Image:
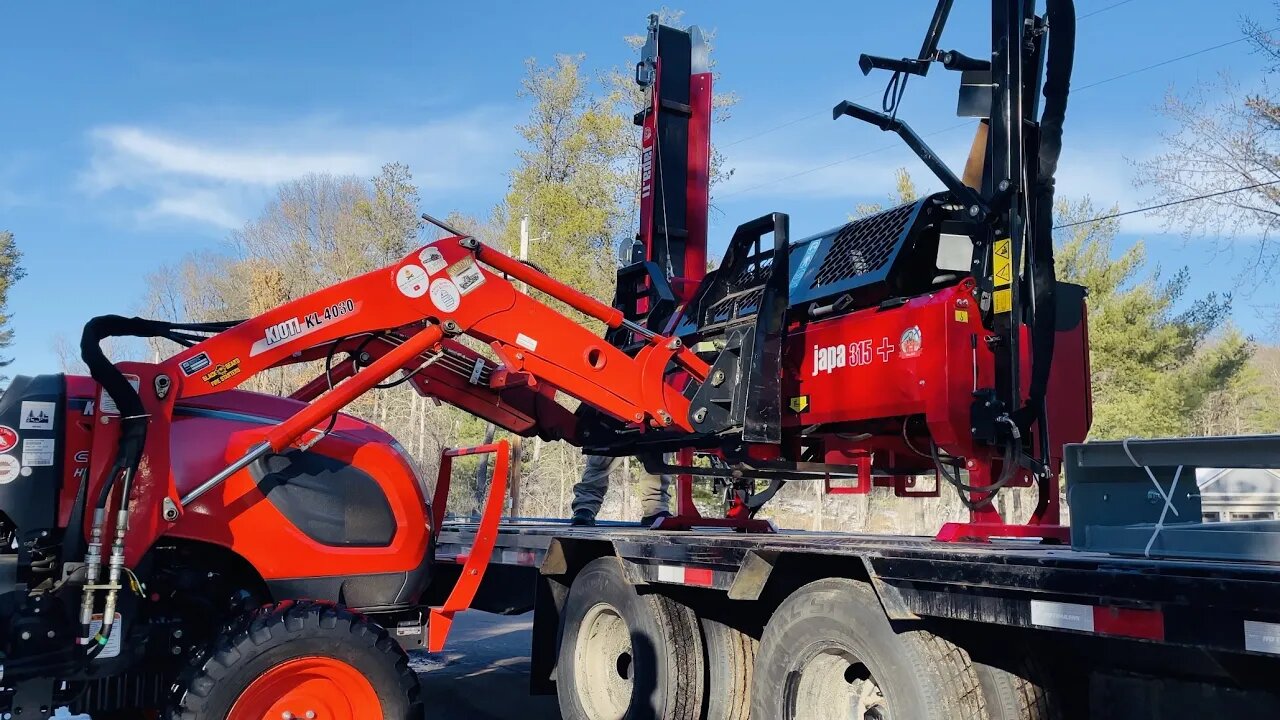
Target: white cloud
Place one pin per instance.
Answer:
(221, 176)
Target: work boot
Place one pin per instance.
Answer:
(649, 520)
(583, 517)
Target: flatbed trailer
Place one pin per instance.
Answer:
(1050, 631)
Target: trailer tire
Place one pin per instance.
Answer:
(626, 654)
(1018, 693)
(731, 659)
(829, 645)
(260, 665)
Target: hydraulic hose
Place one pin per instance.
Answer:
(1060, 58)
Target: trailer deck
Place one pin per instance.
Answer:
(1208, 604)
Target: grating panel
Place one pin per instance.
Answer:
(864, 246)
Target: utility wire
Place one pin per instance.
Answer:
(1076, 89)
(1162, 206)
(1104, 9)
(1162, 63)
(817, 113)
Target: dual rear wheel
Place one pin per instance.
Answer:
(829, 652)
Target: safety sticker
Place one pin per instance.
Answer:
(8, 438)
(108, 405)
(431, 259)
(193, 365)
(9, 469)
(466, 275)
(445, 295)
(37, 415)
(1002, 300)
(412, 281)
(38, 452)
(526, 342)
(112, 648)
(1002, 267)
(799, 404)
(1002, 275)
(962, 316)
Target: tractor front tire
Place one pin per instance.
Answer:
(299, 659)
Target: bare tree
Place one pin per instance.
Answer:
(1222, 160)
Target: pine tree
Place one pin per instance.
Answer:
(10, 272)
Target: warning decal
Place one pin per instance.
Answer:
(1002, 275)
(799, 404)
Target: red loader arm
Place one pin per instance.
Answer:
(402, 318)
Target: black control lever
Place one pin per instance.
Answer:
(977, 207)
(912, 66)
(956, 60)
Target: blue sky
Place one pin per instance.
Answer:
(132, 133)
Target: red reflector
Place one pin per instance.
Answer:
(698, 576)
(1129, 622)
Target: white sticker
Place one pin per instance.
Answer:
(445, 295)
(38, 453)
(9, 469)
(112, 648)
(466, 275)
(1067, 616)
(108, 405)
(431, 259)
(1263, 637)
(526, 342)
(412, 280)
(37, 415)
(26, 472)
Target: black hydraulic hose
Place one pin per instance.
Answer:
(1060, 57)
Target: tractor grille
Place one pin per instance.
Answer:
(864, 246)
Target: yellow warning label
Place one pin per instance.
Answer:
(1002, 268)
(962, 316)
(1002, 300)
(800, 403)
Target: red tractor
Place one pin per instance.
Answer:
(174, 543)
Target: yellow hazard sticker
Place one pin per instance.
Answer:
(799, 403)
(1002, 300)
(962, 316)
(1002, 267)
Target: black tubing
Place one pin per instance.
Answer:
(1061, 16)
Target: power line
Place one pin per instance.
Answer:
(953, 127)
(1104, 9)
(1162, 206)
(818, 113)
(1162, 63)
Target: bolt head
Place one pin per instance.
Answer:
(717, 378)
(973, 211)
(26, 635)
(311, 715)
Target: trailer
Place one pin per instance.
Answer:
(634, 622)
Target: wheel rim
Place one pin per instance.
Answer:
(309, 688)
(833, 684)
(603, 667)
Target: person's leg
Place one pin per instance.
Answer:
(588, 492)
(655, 495)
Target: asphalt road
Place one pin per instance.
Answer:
(484, 673)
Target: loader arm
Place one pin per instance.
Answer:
(408, 318)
